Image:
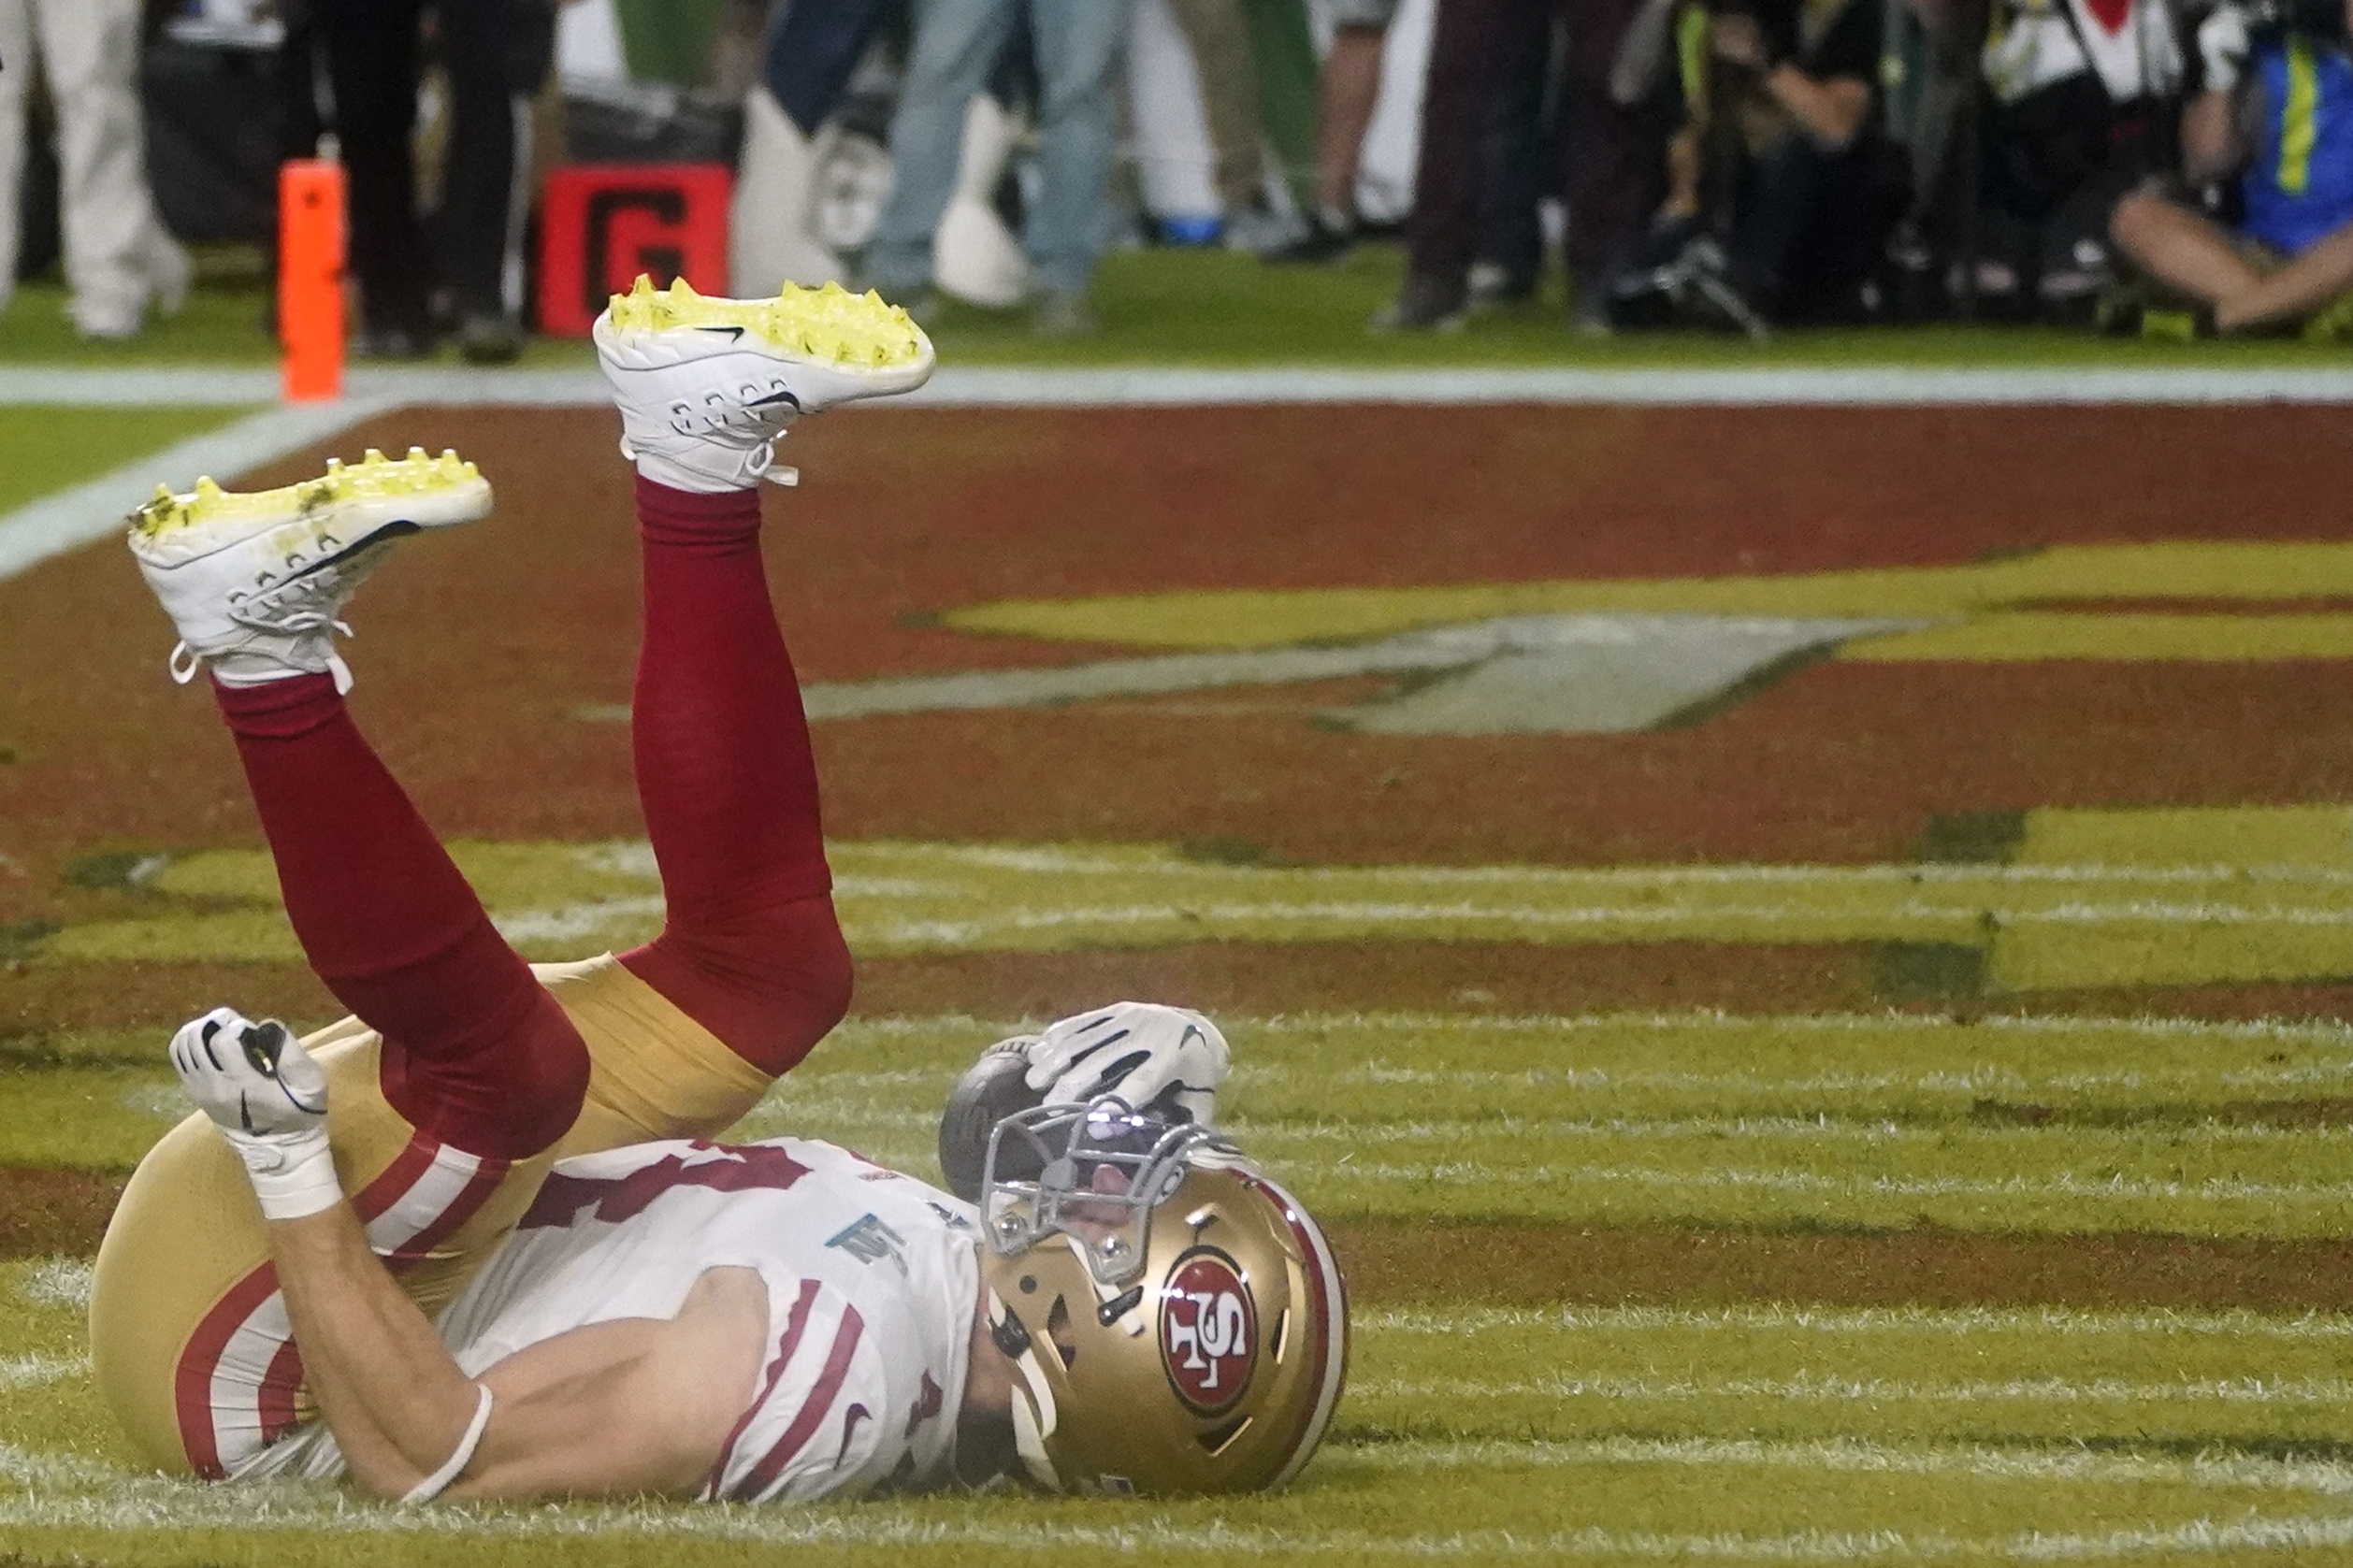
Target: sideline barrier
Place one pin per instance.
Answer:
(601, 224)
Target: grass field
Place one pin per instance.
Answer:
(1219, 307)
(1899, 1110)
(1478, 1429)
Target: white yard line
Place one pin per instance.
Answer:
(1854, 1455)
(55, 1282)
(328, 1514)
(67, 519)
(2066, 1322)
(1808, 1388)
(34, 1372)
(2065, 1186)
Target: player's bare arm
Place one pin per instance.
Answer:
(625, 1406)
(635, 1405)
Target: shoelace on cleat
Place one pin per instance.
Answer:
(268, 612)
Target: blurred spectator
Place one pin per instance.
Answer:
(956, 45)
(813, 52)
(1220, 37)
(1784, 186)
(119, 261)
(1346, 91)
(1519, 173)
(1611, 151)
(2277, 111)
(2081, 101)
(496, 53)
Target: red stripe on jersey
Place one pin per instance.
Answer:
(796, 1323)
(399, 1177)
(275, 1396)
(275, 1399)
(477, 1191)
(813, 1410)
(191, 1378)
(739, 1169)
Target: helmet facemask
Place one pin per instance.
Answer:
(1176, 1323)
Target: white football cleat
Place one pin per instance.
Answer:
(255, 581)
(706, 387)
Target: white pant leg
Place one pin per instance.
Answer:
(16, 38)
(114, 243)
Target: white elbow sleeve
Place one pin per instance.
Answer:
(441, 1480)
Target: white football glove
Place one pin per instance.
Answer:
(1141, 1051)
(2223, 46)
(269, 1099)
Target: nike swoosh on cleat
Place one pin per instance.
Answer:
(776, 398)
(390, 530)
(732, 332)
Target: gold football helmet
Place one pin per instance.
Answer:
(1177, 1321)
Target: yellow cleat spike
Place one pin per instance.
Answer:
(206, 489)
(681, 291)
(417, 455)
(642, 288)
(163, 493)
(334, 466)
(372, 458)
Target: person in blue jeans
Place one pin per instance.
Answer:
(1076, 45)
(2277, 110)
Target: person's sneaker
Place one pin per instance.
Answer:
(1494, 289)
(255, 581)
(489, 340)
(1426, 303)
(706, 387)
(1320, 244)
(393, 341)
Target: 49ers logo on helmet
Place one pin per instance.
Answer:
(1208, 1329)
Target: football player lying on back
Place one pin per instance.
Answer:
(472, 1239)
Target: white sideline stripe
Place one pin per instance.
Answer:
(1806, 1387)
(68, 519)
(2041, 1321)
(1150, 386)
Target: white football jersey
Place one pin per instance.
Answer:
(872, 1279)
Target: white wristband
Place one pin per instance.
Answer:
(293, 1174)
(440, 1481)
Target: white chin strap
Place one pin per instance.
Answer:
(1032, 1408)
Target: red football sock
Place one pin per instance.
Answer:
(475, 1053)
(751, 950)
